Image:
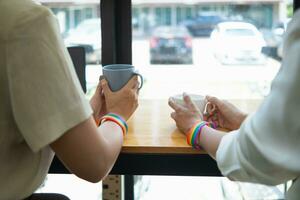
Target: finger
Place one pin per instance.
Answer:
(215, 100)
(99, 86)
(210, 108)
(173, 115)
(132, 82)
(136, 86)
(174, 105)
(105, 87)
(187, 99)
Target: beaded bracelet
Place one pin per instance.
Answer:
(117, 119)
(193, 135)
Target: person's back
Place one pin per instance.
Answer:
(21, 170)
(44, 110)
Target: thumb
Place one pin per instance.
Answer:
(215, 101)
(105, 87)
(99, 88)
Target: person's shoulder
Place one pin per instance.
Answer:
(19, 15)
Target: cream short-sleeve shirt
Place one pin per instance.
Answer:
(40, 95)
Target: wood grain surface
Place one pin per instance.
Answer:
(152, 130)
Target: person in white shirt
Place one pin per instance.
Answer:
(264, 147)
(44, 110)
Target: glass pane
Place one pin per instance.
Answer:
(80, 25)
(229, 49)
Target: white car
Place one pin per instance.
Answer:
(88, 35)
(238, 43)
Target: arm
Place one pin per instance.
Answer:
(50, 108)
(88, 151)
(210, 140)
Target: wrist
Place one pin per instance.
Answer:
(112, 117)
(193, 136)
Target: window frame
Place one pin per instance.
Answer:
(116, 26)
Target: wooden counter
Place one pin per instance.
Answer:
(152, 130)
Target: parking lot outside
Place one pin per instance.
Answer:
(205, 76)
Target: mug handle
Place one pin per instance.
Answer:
(142, 79)
(209, 108)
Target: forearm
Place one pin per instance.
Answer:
(210, 140)
(113, 137)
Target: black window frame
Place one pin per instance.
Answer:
(116, 31)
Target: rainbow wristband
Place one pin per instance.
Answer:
(117, 119)
(194, 133)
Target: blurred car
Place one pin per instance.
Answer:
(238, 43)
(203, 25)
(171, 45)
(88, 35)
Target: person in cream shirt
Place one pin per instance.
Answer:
(264, 147)
(43, 109)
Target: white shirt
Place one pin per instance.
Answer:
(266, 149)
(40, 95)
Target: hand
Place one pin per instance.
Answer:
(185, 116)
(123, 102)
(226, 115)
(98, 103)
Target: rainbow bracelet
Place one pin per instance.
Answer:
(193, 135)
(117, 119)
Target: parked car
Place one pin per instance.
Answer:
(238, 43)
(203, 25)
(88, 35)
(171, 45)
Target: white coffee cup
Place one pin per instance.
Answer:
(199, 100)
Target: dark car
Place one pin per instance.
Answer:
(203, 25)
(171, 45)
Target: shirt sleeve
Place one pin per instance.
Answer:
(46, 96)
(266, 148)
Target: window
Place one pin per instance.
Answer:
(230, 49)
(203, 65)
(80, 25)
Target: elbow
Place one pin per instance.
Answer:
(92, 175)
(94, 179)
(93, 172)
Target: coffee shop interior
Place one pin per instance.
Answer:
(231, 49)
